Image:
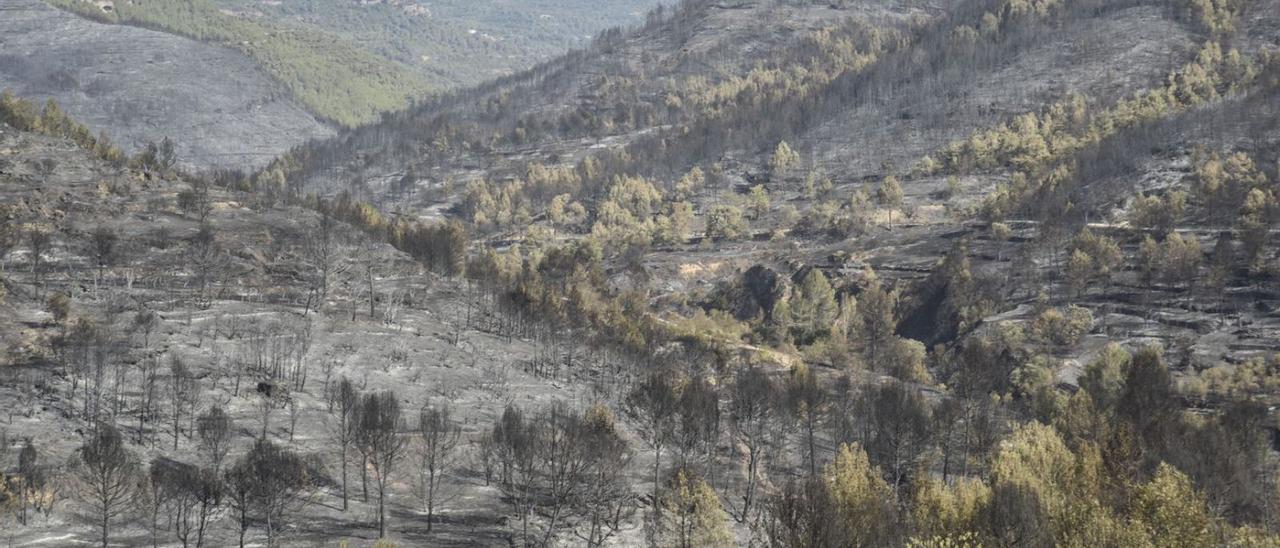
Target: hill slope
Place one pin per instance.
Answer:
(333, 79)
(144, 85)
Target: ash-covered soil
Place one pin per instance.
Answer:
(418, 343)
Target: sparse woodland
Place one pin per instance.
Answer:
(615, 300)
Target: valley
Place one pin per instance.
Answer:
(773, 273)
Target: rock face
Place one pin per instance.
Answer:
(141, 85)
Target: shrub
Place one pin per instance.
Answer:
(725, 222)
(1056, 327)
(59, 306)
